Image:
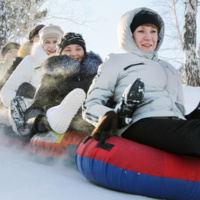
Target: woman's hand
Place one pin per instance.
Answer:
(108, 123)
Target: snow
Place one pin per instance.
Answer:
(26, 177)
(22, 177)
(192, 98)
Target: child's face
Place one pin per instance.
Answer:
(74, 51)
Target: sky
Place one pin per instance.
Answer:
(101, 33)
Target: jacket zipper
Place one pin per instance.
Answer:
(133, 65)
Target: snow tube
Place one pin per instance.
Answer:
(53, 145)
(130, 167)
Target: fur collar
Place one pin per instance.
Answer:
(38, 54)
(91, 63)
(63, 65)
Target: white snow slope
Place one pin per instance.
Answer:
(23, 178)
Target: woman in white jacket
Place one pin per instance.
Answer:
(159, 119)
(29, 70)
(26, 77)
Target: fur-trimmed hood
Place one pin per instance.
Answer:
(91, 63)
(63, 65)
(25, 49)
(38, 54)
(125, 36)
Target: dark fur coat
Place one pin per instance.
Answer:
(60, 75)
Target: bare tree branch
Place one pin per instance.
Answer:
(176, 23)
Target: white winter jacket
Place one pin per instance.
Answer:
(163, 91)
(29, 70)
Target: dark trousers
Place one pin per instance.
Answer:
(175, 136)
(26, 90)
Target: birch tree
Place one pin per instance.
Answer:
(22, 16)
(180, 18)
(3, 22)
(32, 14)
(191, 64)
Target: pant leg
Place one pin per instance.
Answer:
(175, 136)
(34, 119)
(194, 114)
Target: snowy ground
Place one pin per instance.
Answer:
(22, 177)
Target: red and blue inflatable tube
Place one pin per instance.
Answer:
(130, 167)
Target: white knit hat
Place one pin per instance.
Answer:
(50, 31)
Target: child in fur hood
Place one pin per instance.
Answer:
(65, 80)
(24, 50)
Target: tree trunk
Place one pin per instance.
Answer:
(191, 65)
(17, 24)
(3, 22)
(32, 14)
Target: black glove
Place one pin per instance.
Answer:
(108, 123)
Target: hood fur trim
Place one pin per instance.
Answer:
(91, 63)
(38, 54)
(125, 36)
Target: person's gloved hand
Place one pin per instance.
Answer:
(108, 123)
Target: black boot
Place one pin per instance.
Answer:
(41, 124)
(131, 98)
(38, 124)
(18, 109)
(28, 121)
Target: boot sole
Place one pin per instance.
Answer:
(18, 108)
(67, 111)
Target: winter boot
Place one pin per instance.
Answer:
(131, 98)
(43, 124)
(59, 117)
(18, 107)
(37, 124)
